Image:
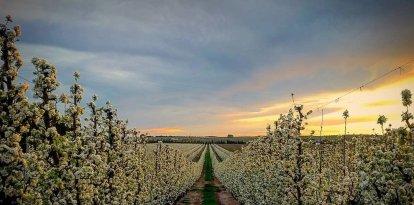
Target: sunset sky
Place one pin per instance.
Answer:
(226, 67)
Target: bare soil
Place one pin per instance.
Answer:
(195, 195)
(223, 196)
(212, 191)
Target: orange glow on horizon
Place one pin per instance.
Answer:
(156, 131)
(380, 98)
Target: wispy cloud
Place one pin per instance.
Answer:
(162, 130)
(382, 103)
(209, 68)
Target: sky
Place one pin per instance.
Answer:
(179, 67)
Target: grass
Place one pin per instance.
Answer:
(208, 167)
(209, 197)
(209, 191)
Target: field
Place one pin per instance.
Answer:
(184, 148)
(201, 139)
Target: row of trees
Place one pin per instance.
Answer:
(49, 155)
(283, 168)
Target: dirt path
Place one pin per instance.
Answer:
(207, 189)
(224, 197)
(195, 194)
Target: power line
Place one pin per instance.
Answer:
(359, 88)
(364, 85)
(23, 78)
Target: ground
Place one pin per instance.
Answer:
(207, 189)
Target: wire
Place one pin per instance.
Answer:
(365, 84)
(25, 79)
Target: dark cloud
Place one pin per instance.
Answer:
(189, 60)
